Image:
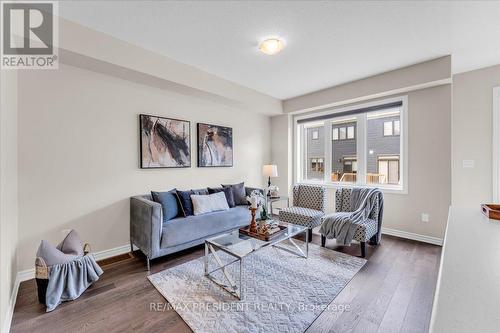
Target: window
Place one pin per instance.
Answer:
(335, 133)
(342, 133)
(396, 127)
(391, 128)
(388, 169)
(350, 132)
(363, 145)
(388, 128)
(315, 135)
(317, 165)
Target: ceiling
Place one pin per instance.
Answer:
(327, 42)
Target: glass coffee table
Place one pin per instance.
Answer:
(239, 246)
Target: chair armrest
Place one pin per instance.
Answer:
(146, 219)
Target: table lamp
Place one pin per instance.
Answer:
(270, 170)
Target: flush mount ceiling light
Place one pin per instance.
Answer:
(271, 46)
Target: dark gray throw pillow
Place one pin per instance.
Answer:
(228, 192)
(239, 194)
(186, 203)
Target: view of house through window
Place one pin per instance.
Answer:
(383, 147)
(314, 151)
(344, 160)
(340, 137)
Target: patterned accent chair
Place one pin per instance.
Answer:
(309, 203)
(368, 230)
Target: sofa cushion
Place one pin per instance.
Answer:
(227, 192)
(183, 230)
(239, 193)
(203, 204)
(169, 203)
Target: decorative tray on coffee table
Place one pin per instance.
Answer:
(265, 237)
(491, 211)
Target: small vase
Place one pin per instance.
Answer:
(263, 214)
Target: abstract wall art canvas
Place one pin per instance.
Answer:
(165, 142)
(215, 146)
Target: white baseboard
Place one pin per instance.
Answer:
(410, 235)
(112, 252)
(11, 306)
(30, 273)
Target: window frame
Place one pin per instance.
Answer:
(496, 143)
(361, 146)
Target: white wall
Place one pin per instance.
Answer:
(8, 192)
(79, 153)
(408, 78)
(472, 135)
(281, 151)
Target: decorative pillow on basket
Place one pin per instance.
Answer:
(64, 272)
(69, 249)
(71, 244)
(239, 194)
(209, 203)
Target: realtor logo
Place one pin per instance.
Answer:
(29, 32)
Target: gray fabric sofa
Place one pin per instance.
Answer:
(155, 238)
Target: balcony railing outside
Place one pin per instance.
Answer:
(351, 177)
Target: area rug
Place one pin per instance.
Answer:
(283, 292)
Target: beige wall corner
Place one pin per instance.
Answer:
(422, 75)
(8, 195)
(281, 151)
(472, 135)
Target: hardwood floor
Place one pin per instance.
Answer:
(393, 292)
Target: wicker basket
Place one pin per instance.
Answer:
(42, 275)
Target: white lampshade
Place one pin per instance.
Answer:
(270, 170)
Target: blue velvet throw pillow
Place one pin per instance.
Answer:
(169, 203)
(228, 192)
(185, 201)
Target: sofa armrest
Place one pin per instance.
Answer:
(146, 218)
